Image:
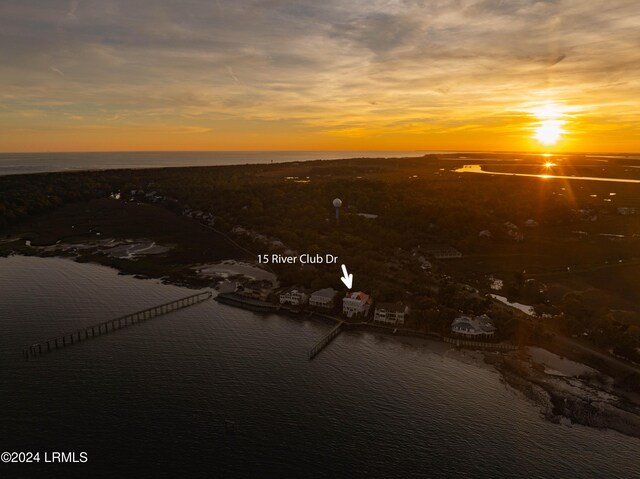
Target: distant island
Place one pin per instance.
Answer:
(501, 258)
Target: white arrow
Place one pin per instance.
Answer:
(347, 278)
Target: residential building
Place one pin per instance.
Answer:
(390, 313)
(294, 296)
(323, 298)
(357, 303)
(256, 290)
(478, 327)
(227, 287)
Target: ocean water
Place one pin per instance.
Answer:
(22, 163)
(154, 398)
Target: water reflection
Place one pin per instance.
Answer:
(478, 169)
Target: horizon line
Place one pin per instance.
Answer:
(426, 151)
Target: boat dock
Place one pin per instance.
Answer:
(465, 343)
(84, 334)
(324, 342)
(244, 302)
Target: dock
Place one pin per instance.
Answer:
(324, 342)
(244, 302)
(84, 334)
(466, 343)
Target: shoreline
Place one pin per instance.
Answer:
(555, 404)
(558, 405)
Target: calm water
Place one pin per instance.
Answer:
(20, 163)
(155, 396)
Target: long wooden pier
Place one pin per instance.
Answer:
(84, 334)
(324, 342)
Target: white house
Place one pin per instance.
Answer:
(323, 298)
(357, 303)
(390, 313)
(293, 296)
(478, 327)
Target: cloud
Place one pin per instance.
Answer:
(331, 66)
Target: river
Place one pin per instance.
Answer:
(155, 397)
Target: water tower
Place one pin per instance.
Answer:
(337, 203)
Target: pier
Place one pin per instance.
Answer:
(84, 334)
(465, 343)
(324, 342)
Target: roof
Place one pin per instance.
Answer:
(392, 307)
(358, 295)
(325, 293)
(294, 289)
(263, 283)
(479, 324)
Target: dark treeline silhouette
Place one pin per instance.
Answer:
(417, 203)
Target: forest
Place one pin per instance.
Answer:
(410, 204)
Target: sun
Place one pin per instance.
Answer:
(549, 132)
(550, 119)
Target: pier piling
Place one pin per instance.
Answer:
(324, 342)
(36, 349)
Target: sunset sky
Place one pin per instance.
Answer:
(320, 75)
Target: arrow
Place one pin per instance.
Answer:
(347, 278)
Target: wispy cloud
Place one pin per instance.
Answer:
(321, 69)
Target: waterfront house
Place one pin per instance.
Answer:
(390, 313)
(256, 289)
(323, 298)
(356, 304)
(294, 296)
(470, 327)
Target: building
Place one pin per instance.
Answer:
(478, 327)
(354, 304)
(294, 296)
(442, 251)
(390, 313)
(227, 287)
(323, 298)
(256, 290)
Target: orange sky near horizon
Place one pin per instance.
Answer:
(340, 75)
